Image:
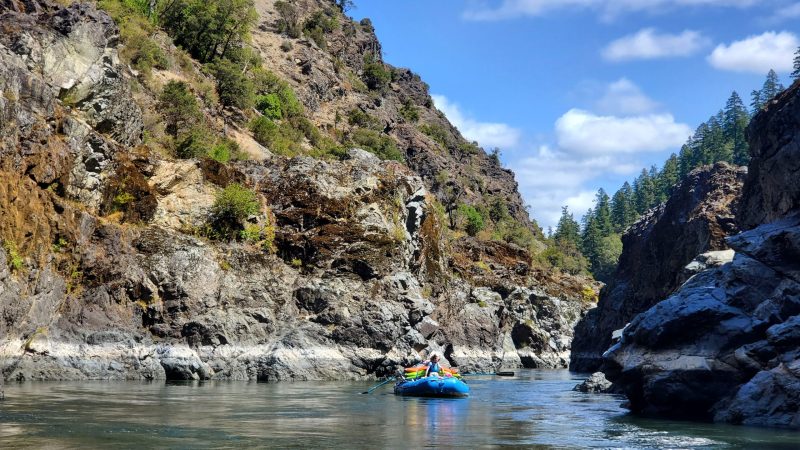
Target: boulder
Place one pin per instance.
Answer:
(596, 383)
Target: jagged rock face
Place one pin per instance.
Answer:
(360, 279)
(324, 81)
(726, 346)
(696, 218)
(773, 183)
(159, 304)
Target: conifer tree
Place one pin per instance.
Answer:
(772, 87)
(567, 230)
(668, 178)
(602, 213)
(735, 123)
(623, 213)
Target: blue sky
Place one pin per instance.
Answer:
(581, 94)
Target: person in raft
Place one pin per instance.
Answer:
(433, 365)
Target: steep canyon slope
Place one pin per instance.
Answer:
(108, 271)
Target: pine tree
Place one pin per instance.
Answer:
(567, 230)
(755, 101)
(591, 237)
(623, 213)
(644, 192)
(772, 87)
(668, 178)
(735, 123)
(602, 213)
(686, 159)
(796, 66)
(716, 146)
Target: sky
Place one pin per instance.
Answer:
(583, 94)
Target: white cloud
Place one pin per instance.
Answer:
(486, 134)
(510, 9)
(757, 53)
(553, 178)
(624, 97)
(649, 44)
(582, 132)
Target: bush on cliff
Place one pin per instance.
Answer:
(233, 86)
(179, 107)
(208, 29)
(232, 206)
(380, 144)
(473, 219)
(376, 75)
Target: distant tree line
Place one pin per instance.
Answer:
(594, 245)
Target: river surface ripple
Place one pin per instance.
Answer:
(533, 409)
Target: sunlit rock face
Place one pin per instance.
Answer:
(361, 275)
(726, 345)
(697, 218)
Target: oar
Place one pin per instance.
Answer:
(499, 374)
(369, 391)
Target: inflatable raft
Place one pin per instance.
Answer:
(432, 386)
(447, 383)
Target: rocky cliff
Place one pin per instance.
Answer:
(108, 271)
(725, 345)
(697, 218)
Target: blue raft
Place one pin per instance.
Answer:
(432, 386)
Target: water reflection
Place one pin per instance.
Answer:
(535, 408)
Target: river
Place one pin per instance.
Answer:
(534, 408)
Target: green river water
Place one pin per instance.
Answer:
(532, 409)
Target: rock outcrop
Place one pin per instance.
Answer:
(726, 345)
(698, 216)
(596, 383)
(107, 271)
(772, 189)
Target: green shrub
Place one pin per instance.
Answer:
(146, 54)
(251, 233)
(289, 17)
(513, 232)
(359, 118)
(498, 210)
(366, 25)
(15, 260)
(266, 82)
(208, 29)
(318, 25)
(469, 148)
(196, 143)
(179, 107)
(376, 75)
(287, 46)
(437, 133)
(270, 106)
(409, 112)
(233, 87)
(474, 222)
(232, 206)
(380, 144)
(225, 150)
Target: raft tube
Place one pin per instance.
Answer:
(432, 386)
